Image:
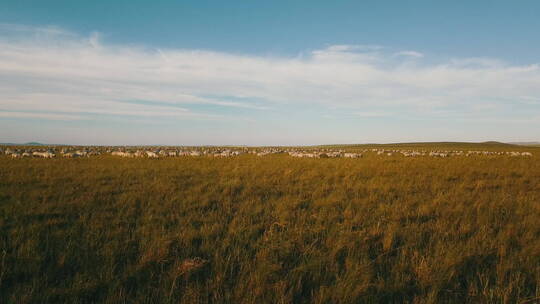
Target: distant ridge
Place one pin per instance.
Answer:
(526, 143)
(33, 143)
(441, 145)
(397, 144)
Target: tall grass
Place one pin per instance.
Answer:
(270, 230)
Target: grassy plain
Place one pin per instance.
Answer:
(272, 229)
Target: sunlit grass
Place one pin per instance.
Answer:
(272, 229)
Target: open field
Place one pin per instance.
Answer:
(273, 229)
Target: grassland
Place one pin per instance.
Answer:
(270, 229)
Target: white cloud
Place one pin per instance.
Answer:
(94, 40)
(351, 48)
(48, 116)
(372, 114)
(55, 71)
(410, 54)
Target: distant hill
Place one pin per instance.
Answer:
(442, 144)
(33, 143)
(494, 143)
(423, 143)
(526, 143)
(24, 144)
(430, 145)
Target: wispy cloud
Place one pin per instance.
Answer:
(42, 115)
(372, 114)
(53, 70)
(410, 54)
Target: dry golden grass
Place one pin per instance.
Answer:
(274, 229)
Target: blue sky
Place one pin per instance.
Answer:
(268, 72)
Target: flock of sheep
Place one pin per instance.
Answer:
(47, 153)
(161, 152)
(406, 153)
